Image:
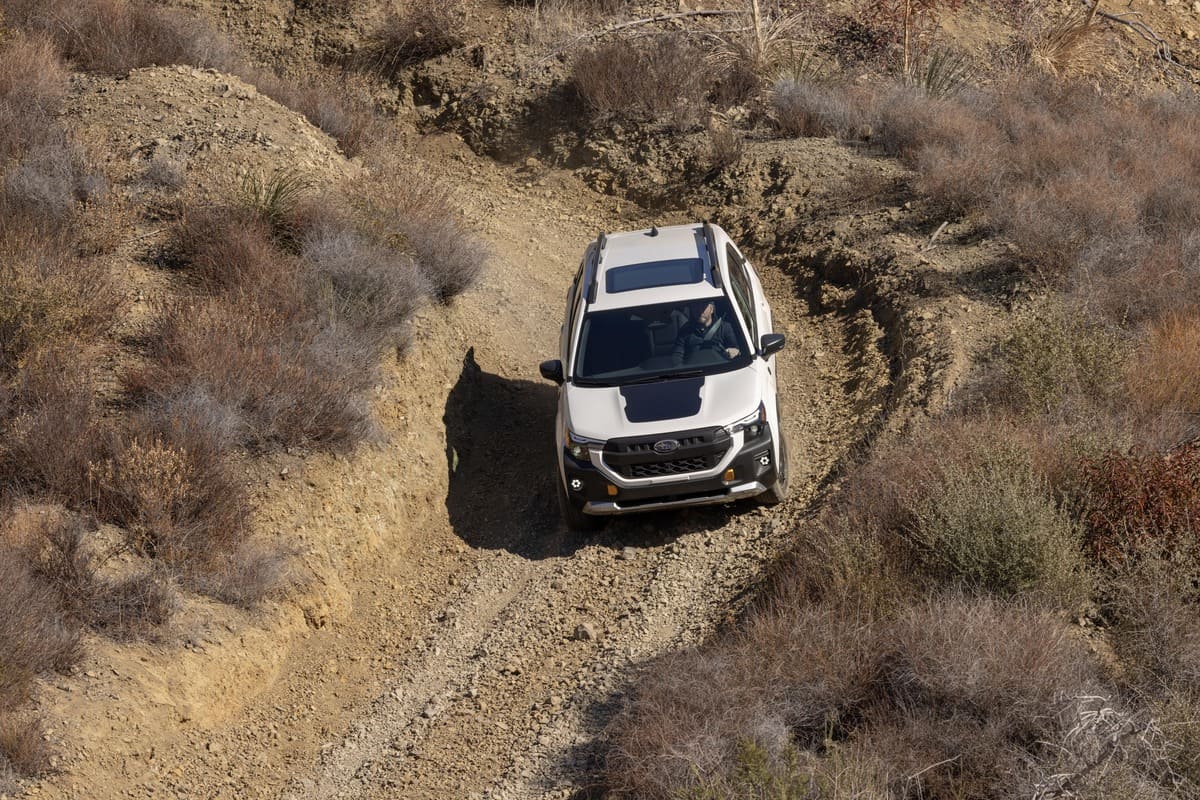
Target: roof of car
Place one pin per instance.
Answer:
(672, 243)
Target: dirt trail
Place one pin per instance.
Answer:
(481, 646)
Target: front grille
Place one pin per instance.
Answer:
(697, 451)
(648, 447)
(680, 466)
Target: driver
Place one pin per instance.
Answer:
(705, 330)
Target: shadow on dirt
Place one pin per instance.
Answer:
(500, 458)
(501, 464)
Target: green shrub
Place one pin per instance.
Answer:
(994, 527)
(1055, 354)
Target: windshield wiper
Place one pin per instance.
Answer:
(668, 376)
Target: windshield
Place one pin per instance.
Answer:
(647, 343)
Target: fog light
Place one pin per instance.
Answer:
(612, 490)
(576, 484)
(765, 459)
(729, 474)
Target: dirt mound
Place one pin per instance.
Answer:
(214, 127)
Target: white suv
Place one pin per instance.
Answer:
(666, 370)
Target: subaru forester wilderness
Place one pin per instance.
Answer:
(666, 371)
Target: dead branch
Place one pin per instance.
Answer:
(601, 33)
(1162, 48)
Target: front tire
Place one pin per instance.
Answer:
(779, 490)
(572, 512)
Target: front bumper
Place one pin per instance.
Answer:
(752, 471)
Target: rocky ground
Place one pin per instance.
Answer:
(448, 637)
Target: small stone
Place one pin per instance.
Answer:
(430, 711)
(627, 554)
(214, 748)
(585, 632)
(556, 584)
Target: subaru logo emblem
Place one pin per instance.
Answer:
(666, 446)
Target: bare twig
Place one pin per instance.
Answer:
(929, 245)
(1162, 48)
(602, 32)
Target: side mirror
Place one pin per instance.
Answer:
(771, 344)
(552, 370)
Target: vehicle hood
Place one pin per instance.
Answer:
(606, 412)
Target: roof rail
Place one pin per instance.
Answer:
(594, 265)
(714, 261)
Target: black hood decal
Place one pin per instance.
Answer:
(652, 402)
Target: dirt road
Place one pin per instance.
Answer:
(477, 648)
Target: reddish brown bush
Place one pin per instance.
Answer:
(665, 80)
(1143, 504)
(232, 250)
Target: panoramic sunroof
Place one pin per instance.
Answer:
(654, 273)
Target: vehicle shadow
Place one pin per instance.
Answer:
(501, 462)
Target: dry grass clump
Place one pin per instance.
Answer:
(33, 83)
(115, 36)
(325, 102)
(1163, 381)
(421, 31)
(664, 80)
(804, 106)
(949, 699)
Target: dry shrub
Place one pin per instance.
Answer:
(373, 288)
(1056, 354)
(246, 575)
(60, 550)
(56, 429)
(995, 528)
(50, 297)
(1142, 504)
(1163, 381)
(170, 482)
(166, 172)
(290, 380)
(34, 637)
(325, 102)
(665, 80)
(33, 82)
(115, 36)
(43, 190)
(410, 210)
(23, 748)
(1155, 606)
(1068, 46)
(807, 107)
(232, 250)
(421, 31)
(969, 683)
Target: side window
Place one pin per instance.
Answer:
(739, 282)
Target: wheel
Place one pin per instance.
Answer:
(778, 491)
(572, 512)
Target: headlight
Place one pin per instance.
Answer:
(580, 447)
(752, 424)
